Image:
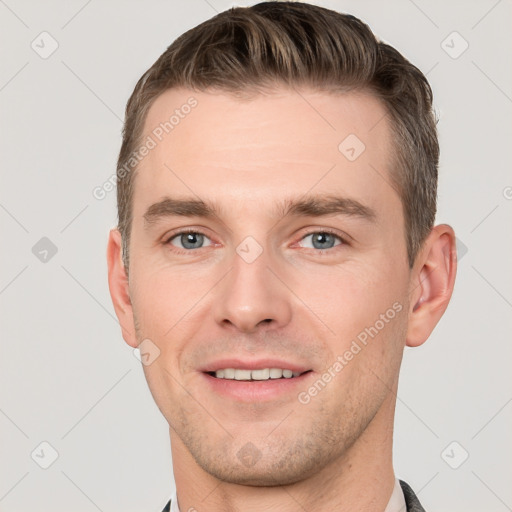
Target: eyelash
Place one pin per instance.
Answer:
(322, 252)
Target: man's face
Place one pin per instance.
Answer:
(251, 289)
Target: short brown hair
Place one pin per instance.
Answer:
(247, 49)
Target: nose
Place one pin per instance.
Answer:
(252, 296)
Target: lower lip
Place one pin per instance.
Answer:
(256, 391)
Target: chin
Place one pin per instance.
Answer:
(265, 470)
(261, 477)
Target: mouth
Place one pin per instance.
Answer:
(264, 381)
(256, 375)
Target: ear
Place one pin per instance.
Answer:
(432, 281)
(119, 289)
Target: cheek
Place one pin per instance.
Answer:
(352, 292)
(361, 305)
(154, 302)
(164, 298)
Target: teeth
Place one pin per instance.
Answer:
(261, 374)
(276, 373)
(242, 374)
(229, 373)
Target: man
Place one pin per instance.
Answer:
(275, 252)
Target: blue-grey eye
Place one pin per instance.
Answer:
(323, 240)
(189, 240)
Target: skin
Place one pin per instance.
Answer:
(335, 452)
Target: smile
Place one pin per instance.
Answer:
(251, 375)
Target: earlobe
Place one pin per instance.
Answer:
(432, 282)
(119, 289)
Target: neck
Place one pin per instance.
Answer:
(361, 479)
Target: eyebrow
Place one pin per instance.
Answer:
(311, 206)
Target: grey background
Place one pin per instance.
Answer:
(66, 375)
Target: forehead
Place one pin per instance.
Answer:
(251, 151)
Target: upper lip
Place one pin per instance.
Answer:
(255, 364)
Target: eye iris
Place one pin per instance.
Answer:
(195, 239)
(320, 237)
